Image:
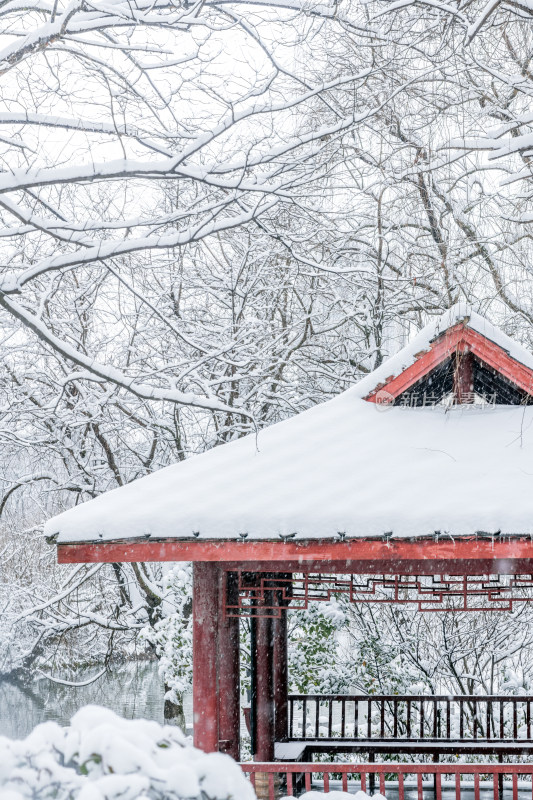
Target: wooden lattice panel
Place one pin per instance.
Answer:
(270, 595)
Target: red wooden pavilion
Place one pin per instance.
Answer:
(413, 486)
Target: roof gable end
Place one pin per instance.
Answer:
(465, 358)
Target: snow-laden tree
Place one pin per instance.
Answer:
(106, 109)
(135, 138)
(477, 162)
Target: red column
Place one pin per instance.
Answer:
(264, 690)
(228, 669)
(281, 678)
(205, 684)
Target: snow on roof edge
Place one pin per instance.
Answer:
(277, 538)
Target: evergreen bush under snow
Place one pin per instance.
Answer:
(101, 756)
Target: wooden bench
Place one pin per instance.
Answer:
(304, 750)
(430, 726)
(439, 719)
(298, 751)
(293, 751)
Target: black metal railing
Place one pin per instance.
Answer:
(454, 718)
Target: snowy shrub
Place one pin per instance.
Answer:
(514, 682)
(315, 661)
(104, 757)
(171, 636)
(380, 664)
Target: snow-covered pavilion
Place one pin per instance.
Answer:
(419, 477)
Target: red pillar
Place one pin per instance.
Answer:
(264, 690)
(205, 684)
(228, 669)
(281, 678)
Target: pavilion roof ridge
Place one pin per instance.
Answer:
(458, 324)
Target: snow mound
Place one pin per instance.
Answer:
(104, 757)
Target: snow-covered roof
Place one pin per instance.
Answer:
(344, 466)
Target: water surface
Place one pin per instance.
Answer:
(132, 690)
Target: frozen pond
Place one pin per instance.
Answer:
(131, 689)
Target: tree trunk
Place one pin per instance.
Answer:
(174, 713)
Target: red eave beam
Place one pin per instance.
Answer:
(501, 555)
(458, 339)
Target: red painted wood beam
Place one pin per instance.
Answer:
(280, 678)
(264, 686)
(500, 360)
(205, 684)
(427, 360)
(228, 646)
(458, 339)
(467, 555)
(463, 379)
